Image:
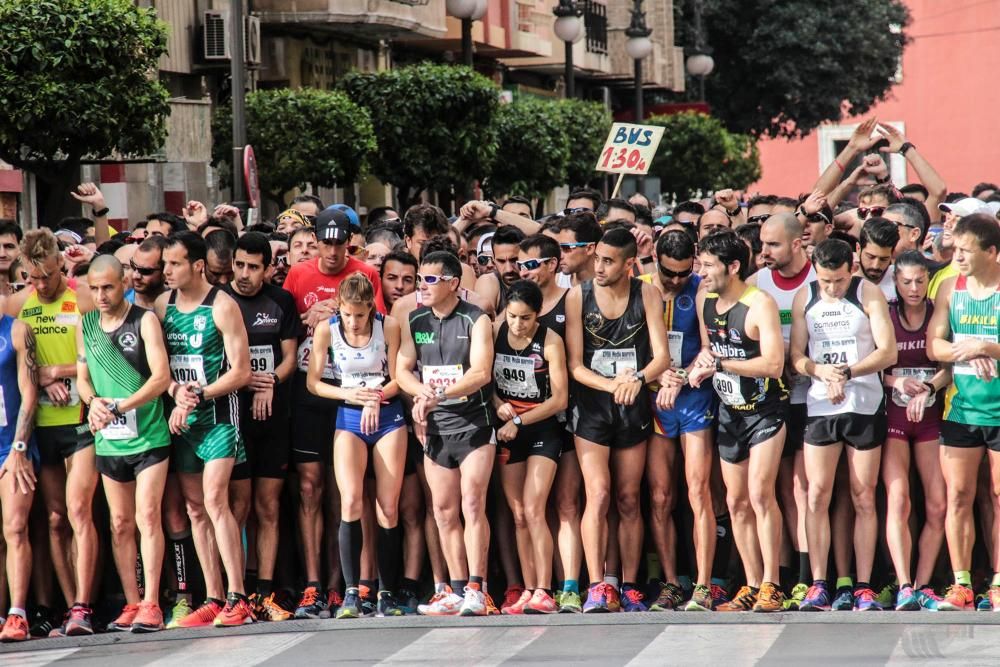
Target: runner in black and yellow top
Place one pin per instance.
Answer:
(964, 332)
(745, 362)
(122, 370)
(209, 361)
(68, 477)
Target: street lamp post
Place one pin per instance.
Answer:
(568, 27)
(700, 62)
(467, 11)
(638, 46)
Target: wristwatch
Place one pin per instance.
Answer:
(516, 420)
(114, 409)
(718, 364)
(493, 211)
(640, 376)
(19, 446)
(905, 147)
(648, 259)
(439, 393)
(847, 372)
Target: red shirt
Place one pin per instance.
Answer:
(309, 285)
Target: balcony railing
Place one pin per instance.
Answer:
(595, 19)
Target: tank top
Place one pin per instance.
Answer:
(10, 392)
(54, 325)
(365, 366)
(521, 376)
(443, 349)
(118, 368)
(970, 400)
(783, 291)
(501, 295)
(727, 334)
(841, 333)
(681, 317)
(611, 346)
(555, 319)
(197, 354)
(911, 353)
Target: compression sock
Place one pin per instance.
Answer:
(723, 546)
(805, 571)
(264, 587)
(389, 553)
(351, 540)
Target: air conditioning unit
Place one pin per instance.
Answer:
(215, 37)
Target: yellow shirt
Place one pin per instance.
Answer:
(54, 325)
(949, 271)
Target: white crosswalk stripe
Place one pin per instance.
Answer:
(466, 646)
(699, 644)
(924, 644)
(36, 658)
(244, 651)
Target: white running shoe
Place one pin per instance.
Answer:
(444, 603)
(474, 603)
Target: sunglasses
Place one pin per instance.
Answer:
(17, 287)
(484, 260)
(134, 239)
(355, 250)
(432, 280)
(874, 211)
(577, 209)
(570, 246)
(667, 273)
(817, 217)
(391, 221)
(142, 270)
(532, 264)
(761, 219)
(280, 260)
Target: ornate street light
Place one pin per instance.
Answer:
(638, 47)
(569, 28)
(700, 62)
(468, 11)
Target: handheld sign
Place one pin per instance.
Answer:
(629, 148)
(250, 176)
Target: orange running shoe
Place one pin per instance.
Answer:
(744, 601)
(541, 603)
(516, 607)
(236, 612)
(770, 599)
(491, 607)
(957, 598)
(202, 617)
(124, 621)
(268, 609)
(312, 604)
(15, 629)
(511, 597)
(149, 618)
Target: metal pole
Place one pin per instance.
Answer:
(570, 74)
(238, 75)
(467, 42)
(638, 109)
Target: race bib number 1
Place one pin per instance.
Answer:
(443, 376)
(610, 363)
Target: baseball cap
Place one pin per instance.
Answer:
(994, 207)
(964, 207)
(485, 244)
(352, 215)
(333, 225)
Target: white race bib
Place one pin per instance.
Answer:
(838, 351)
(727, 386)
(261, 359)
(3, 409)
(70, 384)
(305, 353)
(610, 363)
(122, 428)
(515, 376)
(443, 376)
(675, 343)
(918, 374)
(188, 368)
(362, 379)
(964, 367)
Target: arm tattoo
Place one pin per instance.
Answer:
(81, 358)
(26, 415)
(30, 356)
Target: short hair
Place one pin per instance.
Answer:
(879, 231)
(313, 199)
(224, 224)
(643, 195)
(11, 228)
(300, 231)
(526, 292)
(789, 222)
(728, 247)
(831, 254)
(912, 258)
(508, 235)
(378, 214)
(449, 262)
(109, 247)
(401, 256)
(192, 243)
(382, 234)
(439, 243)
(980, 188)
(692, 207)
(643, 215)
(910, 213)
(750, 233)
(75, 225)
(583, 224)
(157, 243)
(39, 245)
(107, 261)
(254, 243)
(427, 217)
(675, 244)
(885, 190)
(603, 209)
(546, 245)
(846, 237)
(790, 202)
(478, 231)
(762, 200)
(518, 199)
(176, 222)
(914, 187)
(262, 227)
(585, 193)
(954, 197)
(623, 240)
(984, 227)
(142, 224)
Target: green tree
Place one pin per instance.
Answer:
(532, 149)
(302, 136)
(783, 68)
(78, 78)
(697, 154)
(586, 126)
(434, 124)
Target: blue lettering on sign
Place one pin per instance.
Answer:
(637, 136)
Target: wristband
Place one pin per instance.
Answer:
(718, 365)
(646, 260)
(930, 387)
(839, 166)
(905, 147)
(493, 211)
(381, 396)
(847, 373)
(102, 212)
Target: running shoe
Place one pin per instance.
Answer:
(601, 598)
(769, 599)
(929, 599)
(445, 603)
(491, 607)
(80, 622)
(569, 602)
(541, 603)
(994, 597)
(744, 601)
(817, 599)
(369, 605)
(236, 612)
(268, 609)
(60, 630)
(511, 597)
(41, 622)
(701, 599)
(312, 605)
(15, 629)
(351, 607)
(408, 601)
(844, 601)
(517, 607)
(669, 598)
(887, 596)
(202, 617)
(632, 599)
(957, 598)
(719, 595)
(333, 600)
(124, 621)
(983, 602)
(866, 600)
(148, 619)
(474, 603)
(907, 599)
(793, 601)
(387, 605)
(180, 610)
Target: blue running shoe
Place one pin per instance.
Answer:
(866, 600)
(632, 600)
(817, 599)
(844, 600)
(907, 599)
(929, 599)
(599, 599)
(983, 602)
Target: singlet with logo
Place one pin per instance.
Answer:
(783, 291)
(680, 314)
(911, 354)
(365, 366)
(970, 400)
(727, 334)
(116, 361)
(612, 346)
(555, 319)
(840, 333)
(10, 391)
(443, 351)
(197, 354)
(54, 325)
(521, 376)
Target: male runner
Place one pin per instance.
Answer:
(146, 267)
(578, 234)
(453, 343)
(876, 245)
(616, 341)
(10, 240)
(122, 370)
(964, 332)
(493, 286)
(842, 338)
(745, 361)
(272, 325)
(209, 361)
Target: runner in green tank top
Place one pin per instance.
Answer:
(210, 362)
(122, 371)
(963, 332)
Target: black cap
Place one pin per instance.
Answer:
(333, 225)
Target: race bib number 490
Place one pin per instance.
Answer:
(610, 363)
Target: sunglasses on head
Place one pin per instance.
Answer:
(432, 280)
(532, 264)
(484, 260)
(761, 219)
(667, 273)
(142, 270)
(874, 212)
(570, 246)
(391, 221)
(17, 287)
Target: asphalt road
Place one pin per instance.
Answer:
(846, 638)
